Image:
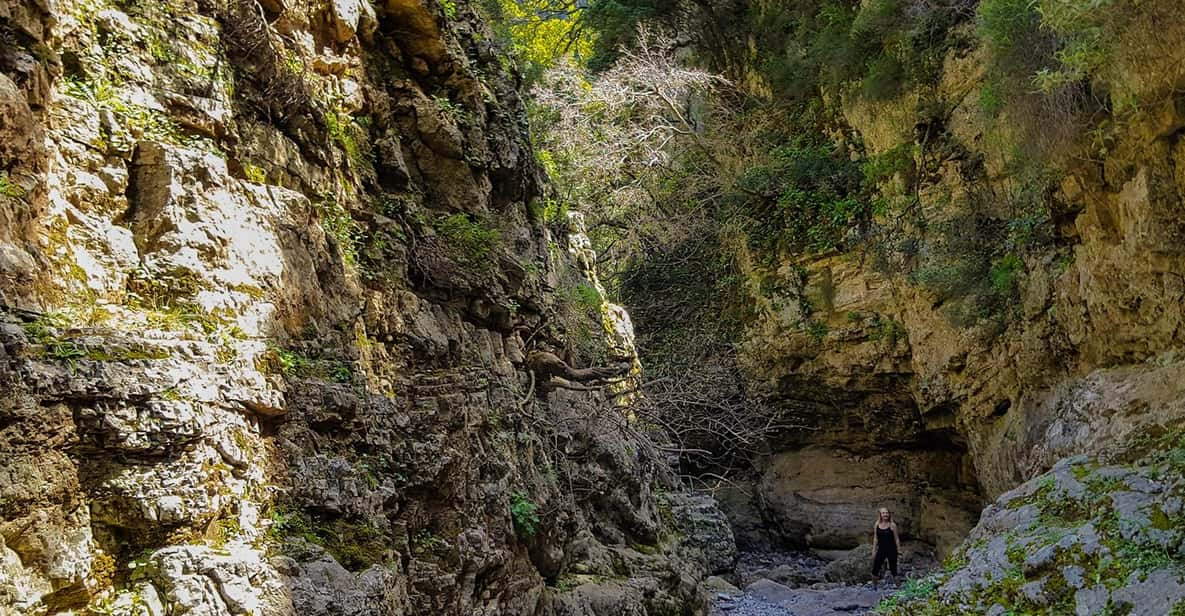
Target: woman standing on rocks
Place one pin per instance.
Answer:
(885, 544)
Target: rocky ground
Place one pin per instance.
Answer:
(809, 584)
(1091, 536)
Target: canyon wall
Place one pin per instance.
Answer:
(927, 399)
(287, 329)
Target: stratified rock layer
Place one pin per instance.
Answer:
(924, 400)
(271, 275)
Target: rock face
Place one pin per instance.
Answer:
(271, 275)
(914, 395)
(1088, 537)
(827, 498)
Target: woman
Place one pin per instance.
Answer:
(885, 544)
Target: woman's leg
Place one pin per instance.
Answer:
(893, 564)
(878, 561)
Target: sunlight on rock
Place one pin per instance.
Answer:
(586, 308)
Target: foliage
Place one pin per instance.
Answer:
(290, 363)
(550, 211)
(622, 145)
(8, 188)
(959, 269)
(449, 108)
(65, 347)
(542, 33)
(1080, 26)
(340, 226)
(673, 167)
(616, 23)
(254, 173)
(277, 87)
(990, 101)
(816, 330)
(1006, 23)
(141, 122)
(1004, 272)
(899, 159)
(424, 541)
(584, 297)
(1042, 56)
(41, 329)
(355, 543)
(523, 514)
(350, 134)
(884, 328)
(874, 48)
(974, 262)
(471, 241)
(812, 199)
(341, 372)
(688, 306)
(912, 590)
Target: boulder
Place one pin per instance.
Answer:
(703, 526)
(350, 18)
(719, 585)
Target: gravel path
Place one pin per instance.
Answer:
(791, 584)
(745, 605)
(773, 599)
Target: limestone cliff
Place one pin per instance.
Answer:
(921, 394)
(272, 275)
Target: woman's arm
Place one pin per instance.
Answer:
(874, 537)
(896, 537)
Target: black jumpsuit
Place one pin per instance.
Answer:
(886, 549)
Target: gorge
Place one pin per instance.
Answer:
(402, 307)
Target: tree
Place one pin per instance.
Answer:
(627, 146)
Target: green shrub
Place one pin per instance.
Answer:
(290, 363)
(586, 297)
(356, 544)
(424, 541)
(960, 268)
(8, 188)
(340, 226)
(291, 522)
(884, 79)
(884, 166)
(911, 590)
(449, 108)
(523, 514)
(1080, 26)
(1042, 54)
(816, 330)
(341, 372)
(254, 173)
(471, 242)
(1004, 272)
(1007, 23)
(884, 328)
(975, 260)
(550, 211)
(818, 199)
(990, 99)
(351, 135)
